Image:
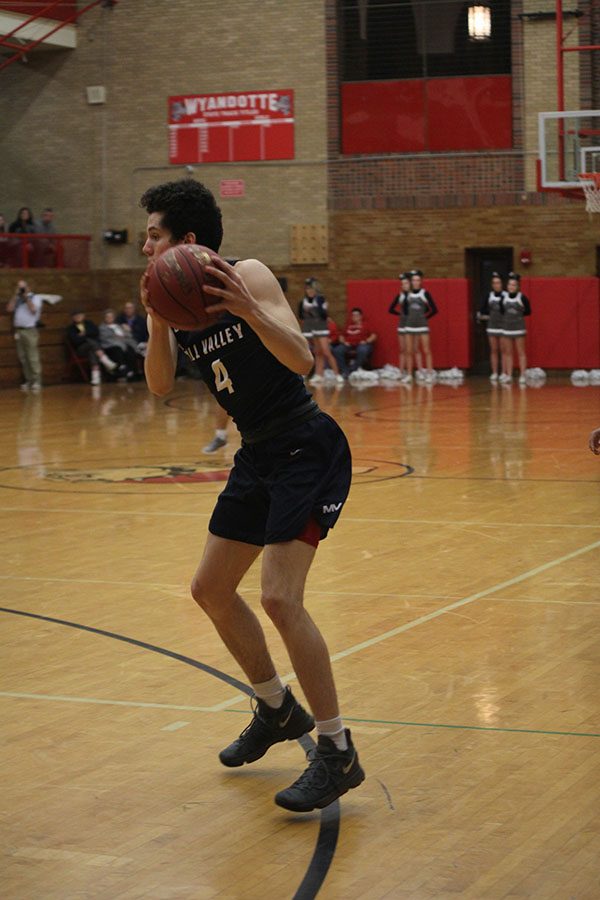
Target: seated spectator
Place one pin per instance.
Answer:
(44, 251)
(356, 344)
(46, 223)
(84, 338)
(119, 345)
(24, 223)
(4, 244)
(135, 325)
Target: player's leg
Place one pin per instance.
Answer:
(494, 355)
(401, 353)
(520, 342)
(214, 588)
(220, 438)
(426, 345)
(339, 351)
(277, 715)
(410, 356)
(334, 767)
(319, 358)
(507, 358)
(328, 355)
(284, 570)
(418, 365)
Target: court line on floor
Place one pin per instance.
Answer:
(543, 600)
(210, 709)
(61, 698)
(421, 620)
(329, 818)
(518, 579)
(205, 515)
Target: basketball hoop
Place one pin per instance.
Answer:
(590, 183)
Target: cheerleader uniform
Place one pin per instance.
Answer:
(312, 312)
(397, 309)
(515, 306)
(492, 308)
(419, 307)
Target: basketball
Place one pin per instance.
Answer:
(176, 286)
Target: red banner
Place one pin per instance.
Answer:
(231, 127)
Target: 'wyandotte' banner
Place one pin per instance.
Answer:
(231, 127)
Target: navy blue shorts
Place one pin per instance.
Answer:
(277, 486)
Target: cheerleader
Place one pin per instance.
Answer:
(419, 307)
(397, 309)
(491, 313)
(312, 312)
(515, 306)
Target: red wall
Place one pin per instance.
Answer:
(450, 329)
(469, 113)
(563, 331)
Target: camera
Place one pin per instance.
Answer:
(22, 291)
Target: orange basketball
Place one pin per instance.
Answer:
(176, 286)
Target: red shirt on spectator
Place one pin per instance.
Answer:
(356, 332)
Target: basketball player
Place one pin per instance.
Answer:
(419, 307)
(595, 441)
(397, 309)
(289, 482)
(491, 313)
(515, 306)
(220, 439)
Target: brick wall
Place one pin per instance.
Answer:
(91, 163)
(379, 243)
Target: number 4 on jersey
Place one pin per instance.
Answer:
(222, 379)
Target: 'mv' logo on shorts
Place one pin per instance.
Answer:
(331, 507)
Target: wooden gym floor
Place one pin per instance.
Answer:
(460, 599)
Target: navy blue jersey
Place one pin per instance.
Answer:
(256, 390)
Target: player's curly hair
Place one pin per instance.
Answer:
(186, 206)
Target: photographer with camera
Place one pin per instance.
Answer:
(26, 308)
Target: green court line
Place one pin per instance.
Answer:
(457, 727)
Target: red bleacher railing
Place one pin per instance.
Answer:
(44, 251)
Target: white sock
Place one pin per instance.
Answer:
(272, 691)
(334, 729)
(221, 433)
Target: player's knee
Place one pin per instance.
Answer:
(203, 595)
(281, 610)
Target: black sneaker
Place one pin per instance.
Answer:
(269, 726)
(331, 773)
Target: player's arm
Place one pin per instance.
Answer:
(251, 291)
(526, 305)
(394, 307)
(161, 353)
(433, 310)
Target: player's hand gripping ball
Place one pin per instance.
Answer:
(176, 286)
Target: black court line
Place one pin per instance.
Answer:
(329, 828)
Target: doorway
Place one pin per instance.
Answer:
(480, 262)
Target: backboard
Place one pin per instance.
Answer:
(569, 145)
